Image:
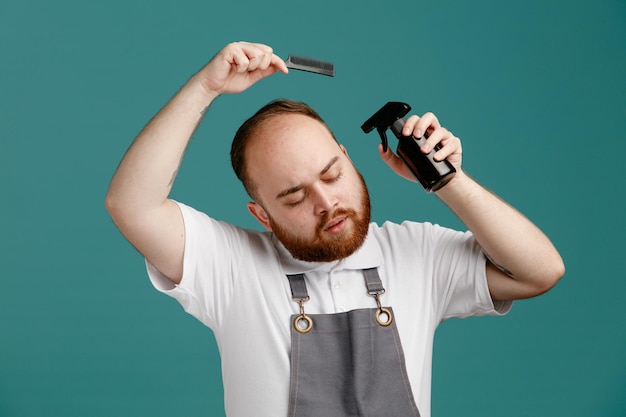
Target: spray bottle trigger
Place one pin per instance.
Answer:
(382, 131)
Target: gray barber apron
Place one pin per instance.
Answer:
(347, 364)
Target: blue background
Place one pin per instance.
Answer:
(535, 89)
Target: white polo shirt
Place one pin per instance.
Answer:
(234, 282)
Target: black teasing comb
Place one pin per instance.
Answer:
(311, 65)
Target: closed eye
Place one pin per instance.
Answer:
(292, 202)
(335, 178)
(296, 203)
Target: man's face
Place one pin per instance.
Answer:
(310, 195)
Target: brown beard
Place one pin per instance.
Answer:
(324, 248)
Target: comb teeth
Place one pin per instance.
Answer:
(311, 65)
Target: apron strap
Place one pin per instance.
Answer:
(298, 287)
(373, 282)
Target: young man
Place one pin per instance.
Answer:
(325, 313)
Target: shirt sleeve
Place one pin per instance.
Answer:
(210, 264)
(460, 276)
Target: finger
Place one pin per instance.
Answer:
(409, 126)
(247, 56)
(278, 63)
(256, 50)
(435, 137)
(262, 57)
(264, 61)
(253, 64)
(449, 146)
(418, 126)
(264, 49)
(427, 123)
(236, 57)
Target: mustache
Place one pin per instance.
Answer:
(328, 218)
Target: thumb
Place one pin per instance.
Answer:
(395, 163)
(390, 158)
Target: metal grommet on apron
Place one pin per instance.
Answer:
(301, 323)
(347, 364)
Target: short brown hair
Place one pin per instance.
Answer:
(247, 129)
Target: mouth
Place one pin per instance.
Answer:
(336, 225)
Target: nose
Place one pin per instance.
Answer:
(325, 200)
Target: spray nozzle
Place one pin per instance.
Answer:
(384, 118)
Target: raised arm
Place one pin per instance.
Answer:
(523, 261)
(137, 199)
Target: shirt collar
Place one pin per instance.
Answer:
(369, 255)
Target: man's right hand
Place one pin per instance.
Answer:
(238, 66)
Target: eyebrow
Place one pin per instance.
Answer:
(299, 187)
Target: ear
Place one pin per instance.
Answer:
(260, 214)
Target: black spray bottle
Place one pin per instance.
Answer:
(430, 173)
